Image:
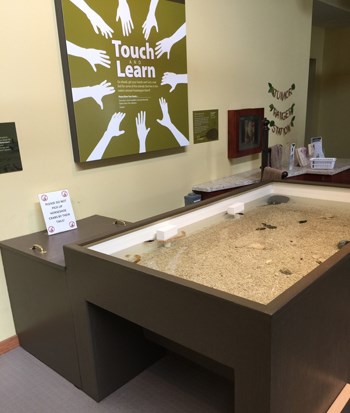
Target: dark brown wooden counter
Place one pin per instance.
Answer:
(339, 178)
(39, 296)
(289, 356)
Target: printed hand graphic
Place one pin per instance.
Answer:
(98, 24)
(173, 79)
(93, 56)
(123, 13)
(151, 20)
(96, 92)
(165, 45)
(97, 57)
(166, 122)
(113, 130)
(142, 131)
(100, 91)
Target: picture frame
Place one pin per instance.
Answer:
(245, 132)
(119, 95)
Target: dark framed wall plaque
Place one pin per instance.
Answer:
(245, 132)
(10, 158)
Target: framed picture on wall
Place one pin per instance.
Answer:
(245, 132)
(126, 90)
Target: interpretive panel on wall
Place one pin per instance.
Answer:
(205, 125)
(10, 158)
(125, 72)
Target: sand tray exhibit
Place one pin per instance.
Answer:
(257, 254)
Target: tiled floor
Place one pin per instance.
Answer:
(169, 386)
(28, 386)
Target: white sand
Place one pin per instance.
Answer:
(235, 257)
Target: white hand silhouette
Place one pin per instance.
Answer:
(93, 56)
(98, 24)
(96, 92)
(97, 57)
(123, 13)
(151, 20)
(113, 130)
(166, 122)
(165, 45)
(142, 131)
(173, 79)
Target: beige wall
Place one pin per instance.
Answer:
(317, 46)
(234, 49)
(315, 82)
(335, 92)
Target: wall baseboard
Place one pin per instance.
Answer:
(8, 344)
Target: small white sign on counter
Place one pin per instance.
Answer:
(58, 212)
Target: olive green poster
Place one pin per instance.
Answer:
(125, 71)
